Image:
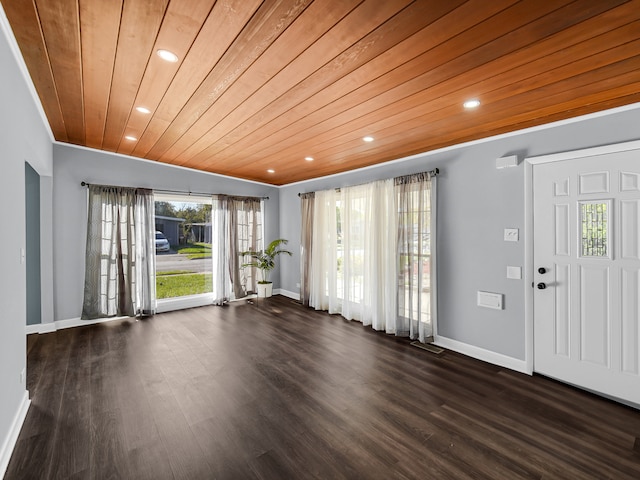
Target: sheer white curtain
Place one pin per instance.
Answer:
(236, 227)
(372, 258)
(120, 254)
(145, 227)
(416, 260)
(354, 257)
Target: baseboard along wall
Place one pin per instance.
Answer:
(12, 437)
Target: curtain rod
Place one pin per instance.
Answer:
(433, 173)
(86, 184)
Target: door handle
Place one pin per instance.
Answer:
(541, 286)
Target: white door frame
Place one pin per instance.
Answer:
(529, 163)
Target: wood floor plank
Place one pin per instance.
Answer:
(71, 449)
(40, 429)
(271, 390)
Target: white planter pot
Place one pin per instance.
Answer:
(265, 290)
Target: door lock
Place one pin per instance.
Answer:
(542, 270)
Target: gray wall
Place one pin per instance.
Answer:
(32, 215)
(475, 203)
(73, 165)
(23, 137)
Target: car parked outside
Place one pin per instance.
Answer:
(162, 244)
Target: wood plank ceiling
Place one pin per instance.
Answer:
(260, 85)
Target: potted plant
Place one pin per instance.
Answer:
(265, 261)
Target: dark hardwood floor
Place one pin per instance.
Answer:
(278, 391)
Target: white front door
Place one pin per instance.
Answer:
(587, 271)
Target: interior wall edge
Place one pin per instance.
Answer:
(17, 55)
(10, 440)
(286, 293)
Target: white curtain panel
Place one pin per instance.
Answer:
(145, 248)
(416, 248)
(354, 258)
(222, 288)
(120, 254)
(373, 254)
(323, 292)
(236, 227)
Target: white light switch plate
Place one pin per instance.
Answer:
(514, 272)
(511, 235)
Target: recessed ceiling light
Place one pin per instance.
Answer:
(143, 110)
(471, 103)
(309, 159)
(367, 139)
(167, 55)
(131, 138)
(271, 170)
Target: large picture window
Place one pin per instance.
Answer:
(370, 254)
(183, 246)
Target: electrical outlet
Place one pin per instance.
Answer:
(23, 375)
(297, 285)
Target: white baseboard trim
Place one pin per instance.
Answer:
(41, 328)
(286, 293)
(68, 323)
(12, 437)
(181, 303)
(482, 354)
(163, 306)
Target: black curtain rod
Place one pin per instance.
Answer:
(433, 173)
(86, 184)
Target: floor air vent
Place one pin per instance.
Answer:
(428, 347)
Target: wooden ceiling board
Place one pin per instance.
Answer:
(625, 95)
(280, 118)
(262, 84)
(287, 132)
(503, 86)
(291, 46)
(425, 126)
(582, 86)
(458, 59)
(34, 51)
(430, 59)
(223, 25)
(140, 24)
(265, 26)
(99, 27)
(440, 136)
(623, 72)
(294, 174)
(181, 24)
(350, 30)
(60, 27)
(357, 48)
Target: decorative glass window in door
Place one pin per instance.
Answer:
(594, 229)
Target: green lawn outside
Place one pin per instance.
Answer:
(171, 285)
(195, 250)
